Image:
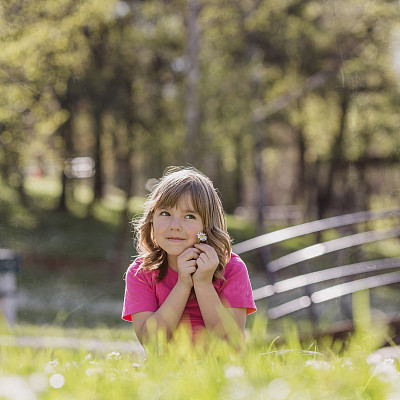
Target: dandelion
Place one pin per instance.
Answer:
(202, 237)
(57, 381)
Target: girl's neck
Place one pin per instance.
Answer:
(173, 262)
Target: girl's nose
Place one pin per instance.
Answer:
(175, 224)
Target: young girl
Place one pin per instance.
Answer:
(177, 279)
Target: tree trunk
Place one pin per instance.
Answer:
(299, 189)
(192, 84)
(66, 134)
(260, 181)
(325, 192)
(98, 177)
(238, 181)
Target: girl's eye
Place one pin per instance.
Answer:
(164, 213)
(190, 216)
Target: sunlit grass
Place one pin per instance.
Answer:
(264, 369)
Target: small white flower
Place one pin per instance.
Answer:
(202, 237)
(233, 371)
(57, 381)
(322, 365)
(387, 370)
(374, 358)
(51, 366)
(115, 355)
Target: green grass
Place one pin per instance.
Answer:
(264, 369)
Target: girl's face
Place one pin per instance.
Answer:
(175, 229)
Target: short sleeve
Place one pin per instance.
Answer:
(237, 291)
(139, 292)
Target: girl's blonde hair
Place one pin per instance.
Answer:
(175, 183)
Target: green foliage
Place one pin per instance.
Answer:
(108, 79)
(41, 230)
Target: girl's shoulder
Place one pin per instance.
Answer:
(234, 265)
(135, 266)
(135, 271)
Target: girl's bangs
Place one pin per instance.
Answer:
(174, 193)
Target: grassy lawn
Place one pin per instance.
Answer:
(264, 369)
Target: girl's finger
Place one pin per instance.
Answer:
(191, 251)
(205, 248)
(203, 257)
(191, 270)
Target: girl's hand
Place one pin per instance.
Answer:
(187, 265)
(207, 262)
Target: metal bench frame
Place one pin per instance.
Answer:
(356, 273)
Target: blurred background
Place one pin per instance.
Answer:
(290, 107)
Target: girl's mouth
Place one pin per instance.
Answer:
(174, 239)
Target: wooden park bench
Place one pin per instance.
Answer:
(10, 265)
(304, 279)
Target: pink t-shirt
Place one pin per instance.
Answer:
(144, 293)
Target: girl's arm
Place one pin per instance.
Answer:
(167, 317)
(228, 323)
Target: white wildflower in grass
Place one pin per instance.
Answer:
(387, 370)
(51, 367)
(318, 364)
(374, 358)
(347, 364)
(115, 355)
(202, 237)
(136, 365)
(57, 381)
(278, 389)
(233, 371)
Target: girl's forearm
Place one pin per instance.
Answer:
(167, 317)
(216, 317)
